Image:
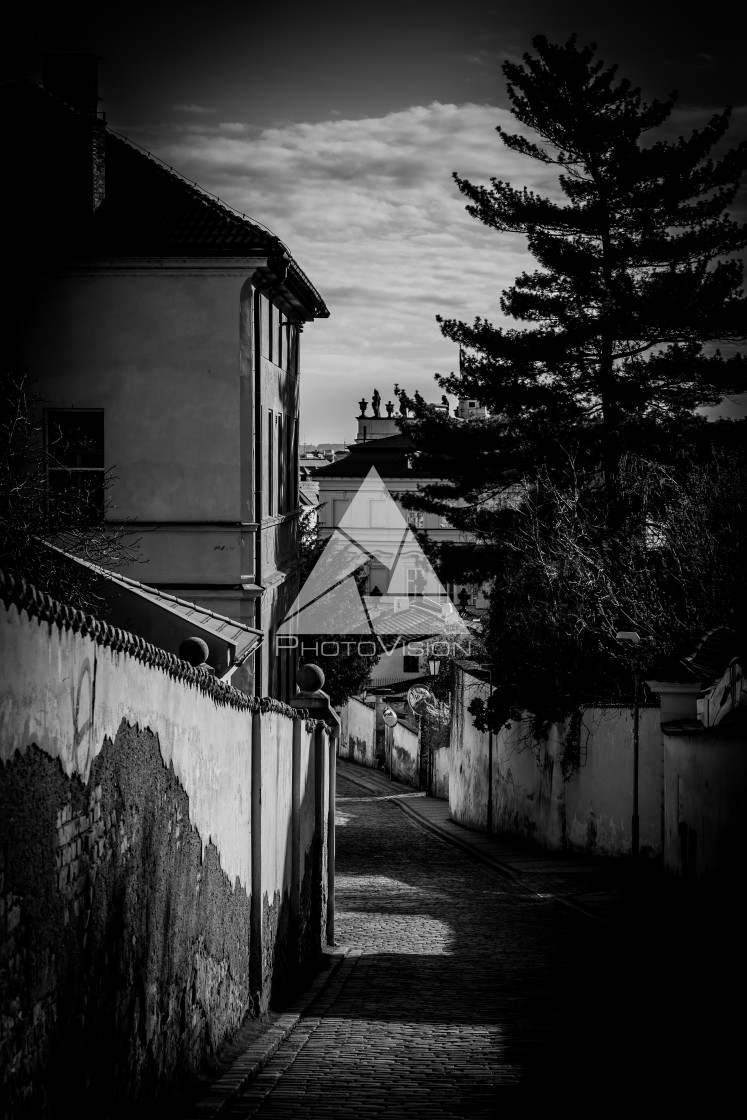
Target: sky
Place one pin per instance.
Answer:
(338, 126)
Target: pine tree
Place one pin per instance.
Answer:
(589, 491)
(636, 286)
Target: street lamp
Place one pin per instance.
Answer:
(633, 638)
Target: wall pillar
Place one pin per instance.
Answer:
(295, 894)
(320, 747)
(333, 741)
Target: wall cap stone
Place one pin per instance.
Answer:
(34, 603)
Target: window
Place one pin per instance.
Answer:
(293, 465)
(473, 404)
(292, 359)
(271, 329)
(339, 506)
(443, 522)
(282, 480)
(280, 339)
(265, 308)
(75, 464)
(410, 664)
(270, 463)
(416, 518)
(415, 582)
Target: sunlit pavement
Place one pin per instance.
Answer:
(464, 995)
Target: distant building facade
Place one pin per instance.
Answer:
(163, 329)
(393, 456)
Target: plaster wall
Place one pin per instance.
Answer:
(67, 694)
(277, 750)
(157, 349)
(589, 812)
(439, 783)
(168, 349)
(599, 799)
(358, 733)
(404, 745)
(126, 886)
(705, 798)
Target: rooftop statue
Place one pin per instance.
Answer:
(376, 402)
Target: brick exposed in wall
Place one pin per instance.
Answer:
(120, 941)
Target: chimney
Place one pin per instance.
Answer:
(74, 79)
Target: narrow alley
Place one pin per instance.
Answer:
(463, 991)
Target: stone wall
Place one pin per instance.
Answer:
(155, 883)
(588, 808)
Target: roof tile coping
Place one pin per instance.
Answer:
(25, 597)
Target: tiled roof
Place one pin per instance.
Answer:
(242, 639)
(148, 210)
(389, 455)
(701, 661)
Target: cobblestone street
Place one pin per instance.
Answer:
(462, 991)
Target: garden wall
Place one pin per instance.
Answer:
(162, 859)
(590, 811)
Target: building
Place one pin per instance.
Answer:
(163, 329)
(380, 445)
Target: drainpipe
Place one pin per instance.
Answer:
(256, 954)
(258, 478)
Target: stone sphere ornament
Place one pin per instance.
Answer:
(194, 650)
(310, 678)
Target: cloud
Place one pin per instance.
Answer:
(193, 109)
(370, 211)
